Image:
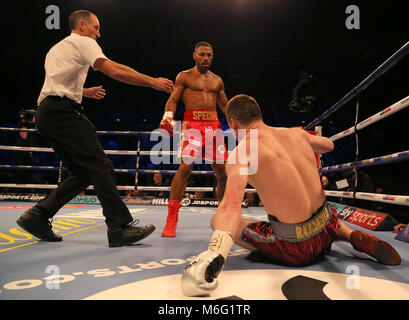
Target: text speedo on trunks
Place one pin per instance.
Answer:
(202, 136)
(294, 244)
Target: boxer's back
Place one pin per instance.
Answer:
(287, 179)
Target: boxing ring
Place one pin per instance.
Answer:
(83, 267)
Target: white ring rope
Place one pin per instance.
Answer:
(141, 188)
(162, 171)
(374, 118)
(393, 199)
(386, 198)
(117, 152)
(394, 157)
(398, 156)
(131, 133)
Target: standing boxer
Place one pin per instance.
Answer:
(201, 136)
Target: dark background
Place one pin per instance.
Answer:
(260, 48)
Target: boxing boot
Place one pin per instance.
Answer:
(383, 252)
(171, 221)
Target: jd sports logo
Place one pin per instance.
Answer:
(185, 202)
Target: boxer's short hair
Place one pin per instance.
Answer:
(77, 16)
(244, 109)
(203, 44)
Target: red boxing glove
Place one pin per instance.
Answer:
(168, 123)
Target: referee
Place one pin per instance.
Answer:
(61, 121)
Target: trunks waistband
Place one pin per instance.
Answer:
(302, 231)
(200, 115)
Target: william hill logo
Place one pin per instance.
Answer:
(160, 201)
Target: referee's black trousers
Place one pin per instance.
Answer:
(63, 124)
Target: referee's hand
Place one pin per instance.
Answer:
(163, 84)
(97, 93)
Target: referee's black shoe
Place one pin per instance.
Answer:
(39, 226)
(128, 234)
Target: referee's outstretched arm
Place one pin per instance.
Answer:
(128, 75)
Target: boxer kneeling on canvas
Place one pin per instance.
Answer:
(301, 224)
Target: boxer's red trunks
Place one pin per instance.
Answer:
(294, 244)
(202, 136)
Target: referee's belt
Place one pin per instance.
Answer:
(76, 105)
(298, 232)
